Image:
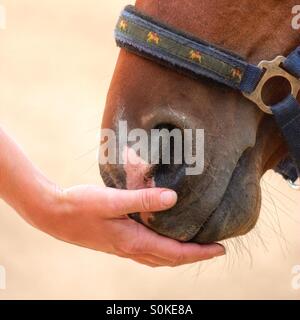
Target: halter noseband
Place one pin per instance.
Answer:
(183, 52)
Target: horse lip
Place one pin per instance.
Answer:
(210, 217)
(202, 228)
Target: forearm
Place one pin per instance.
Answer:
(22, 185)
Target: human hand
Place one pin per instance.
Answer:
(96, 218)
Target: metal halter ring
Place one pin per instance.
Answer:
(294, 185)
(272, 69)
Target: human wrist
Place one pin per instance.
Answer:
(40, 203)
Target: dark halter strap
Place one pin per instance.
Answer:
(185, 53)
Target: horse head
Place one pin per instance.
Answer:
(241, 142)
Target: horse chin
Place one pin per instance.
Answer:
(239, 208)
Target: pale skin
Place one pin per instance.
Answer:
(91, 216)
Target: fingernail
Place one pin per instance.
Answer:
(168, 198)
(221, 251)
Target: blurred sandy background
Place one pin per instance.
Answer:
(56, 61)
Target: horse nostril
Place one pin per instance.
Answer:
(169, 153)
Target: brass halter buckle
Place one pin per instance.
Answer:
(272, 69)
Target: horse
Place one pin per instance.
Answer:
(241, 142)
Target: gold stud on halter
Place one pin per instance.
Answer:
(272, 69)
